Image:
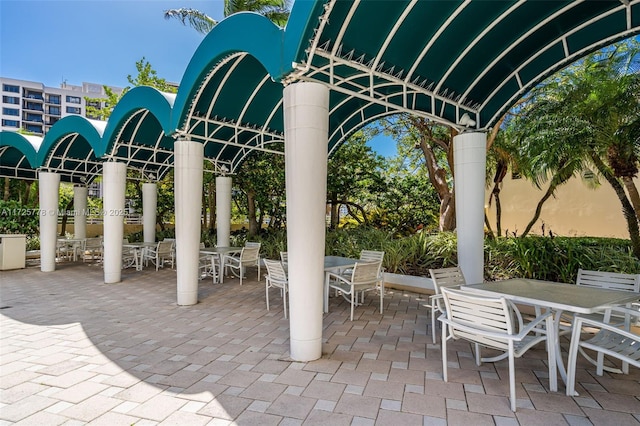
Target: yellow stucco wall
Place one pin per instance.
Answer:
(576, 210)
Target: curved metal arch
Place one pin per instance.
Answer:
(142, 98)
(91, 131)
(26, 145)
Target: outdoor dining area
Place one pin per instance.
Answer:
(508, 317)
(128, 353)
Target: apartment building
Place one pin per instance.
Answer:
(34, 107)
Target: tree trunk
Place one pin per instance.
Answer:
(7, 187)
(251, 213)
(627, 208)
(634, 197)
(438, 178)
(490, 234)
(558, 179)
(335, 212)
(65, 217)
(27, 193)
(501, 172)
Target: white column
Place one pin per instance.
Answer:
(188, 158)
(49, 189)
(306, 121)
(149, 211)
(470, 159)
(114, 180)
(223, 210)
(80, 193)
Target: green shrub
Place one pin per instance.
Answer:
(18, 219)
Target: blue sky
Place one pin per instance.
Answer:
(99, 41)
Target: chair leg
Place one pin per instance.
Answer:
(433, 323)
(353, 294)
(512, 379)
(443, 344)
(266, 286)
(381, 296)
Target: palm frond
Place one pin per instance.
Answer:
(197, 20)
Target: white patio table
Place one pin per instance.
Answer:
(219, 252)
(334, 264)
(556, 296)
(138, 249)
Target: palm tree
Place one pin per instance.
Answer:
(276, 10)
(584, 118)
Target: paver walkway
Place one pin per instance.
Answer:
(77, 351)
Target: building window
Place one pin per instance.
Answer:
(33, 128)
(54, 110)
(74, 110)
(10, 123)
(73, 99)
(10, 88)
(11, 100)
(10, 111)
(54, 99)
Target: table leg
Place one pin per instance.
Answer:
(326, 293)
(559, 361)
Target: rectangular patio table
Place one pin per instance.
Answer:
(558, 297)
(219, 252)
(334, 264)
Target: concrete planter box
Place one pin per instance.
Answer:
(409, 283)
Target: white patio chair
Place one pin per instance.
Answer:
(489, 322)
(162, 252)
(369, 256)
(365, 276)
(249, 256)
(276, 278)
(442, 278)
(611, 281)
(92, 247)
(609, 340)
(209, 265)
(284, 256)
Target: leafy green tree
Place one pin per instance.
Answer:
(260, 190)
(428, 144)
(584, 120)
(353, 171)
(100, 109)
(276, 10)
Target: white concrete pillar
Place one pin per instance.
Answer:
(223, 210)
(188, 163)
(114, 181)
(306, 122)
(470, 160)
(149, 211)
(49, 190)
(80, 193)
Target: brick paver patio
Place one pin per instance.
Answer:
(77, 351)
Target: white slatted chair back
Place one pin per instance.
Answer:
(249, 254)
(276, 277)
(165, 247)
(447, 277)
(275, 271)
(442, 278)
(608, 280)
(284, 256)
(371, 256)
(365, 273)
